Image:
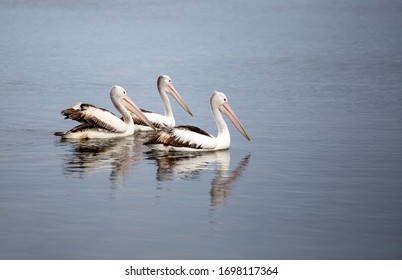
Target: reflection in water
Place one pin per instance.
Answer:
(222, 183)
(188, 166)
(118, 155)
(97, 155)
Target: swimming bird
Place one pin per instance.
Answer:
(165, 87)
(191, 138)
(101, 123)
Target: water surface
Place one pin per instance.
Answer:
(316, 84)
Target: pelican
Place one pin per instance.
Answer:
(165, 86)
(100, 123)
(191, 138)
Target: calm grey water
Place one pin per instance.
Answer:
(316, 84)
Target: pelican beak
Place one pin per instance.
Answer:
(130, 105)
(225, 108)
(178, 98)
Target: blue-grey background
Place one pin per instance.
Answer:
(316, 84)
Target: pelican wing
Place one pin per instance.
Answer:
(184, 136)
(155, 119)
(97, 117)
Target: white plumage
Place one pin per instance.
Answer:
(101, 123)
(191, 138)
(165, 87)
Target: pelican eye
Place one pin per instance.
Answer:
(170, 81)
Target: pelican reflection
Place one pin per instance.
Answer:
(93, 156)
(223, 182)
(189, 166)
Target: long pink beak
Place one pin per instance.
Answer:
(225, 108)
(129, 104)
(178, 98)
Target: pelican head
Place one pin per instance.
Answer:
(117, 93)
(119, 96)
(165, 86)
(220, 101)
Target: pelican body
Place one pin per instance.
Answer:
(165, 87)
(101, 123)
(191, 138)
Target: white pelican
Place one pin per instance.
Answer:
(191, 138)
(165, 86)
(100, 123)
